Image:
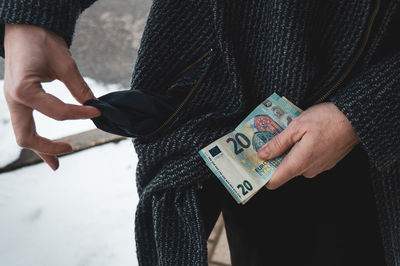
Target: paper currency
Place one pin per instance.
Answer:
(233, 157)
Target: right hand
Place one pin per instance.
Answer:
(34, 55)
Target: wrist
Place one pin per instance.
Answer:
(19, 32)
(344, 120)
(31, 34)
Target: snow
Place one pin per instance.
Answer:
(9, 150)
(46, 126)
(80, 215)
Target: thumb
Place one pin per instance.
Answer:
(281, 142)
(75, 83)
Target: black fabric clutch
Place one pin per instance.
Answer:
(135, 112)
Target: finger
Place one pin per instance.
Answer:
(25, 132)
(291, 166)
(51, 160)
(53, 107)
(281, 142)
(47, 146)
(75, 83)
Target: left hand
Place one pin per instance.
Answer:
(321, 136)
(34, 55)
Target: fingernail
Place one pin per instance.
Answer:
(264, 152)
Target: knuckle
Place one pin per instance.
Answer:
(20, 91)
(61, 115)
(295, 128)
(23, 141)
(295, 124)
(277, 142)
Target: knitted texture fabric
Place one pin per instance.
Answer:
(298, 49)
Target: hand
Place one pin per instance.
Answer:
(321, 136)
(34, 55)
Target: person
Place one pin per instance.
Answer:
(338, 60)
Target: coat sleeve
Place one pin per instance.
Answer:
(59, 16)
(371, 102)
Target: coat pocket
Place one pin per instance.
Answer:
(146, 113)
(183, 88)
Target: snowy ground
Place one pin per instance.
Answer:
(80, 215)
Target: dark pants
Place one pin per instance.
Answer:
(328, 220)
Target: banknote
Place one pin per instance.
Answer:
(233, 157)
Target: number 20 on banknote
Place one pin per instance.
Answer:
(233, 157)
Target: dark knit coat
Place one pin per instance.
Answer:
(310, 51)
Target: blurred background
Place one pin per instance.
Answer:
(83, 213)
(106, 40)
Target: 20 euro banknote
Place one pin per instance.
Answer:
(233, 157)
